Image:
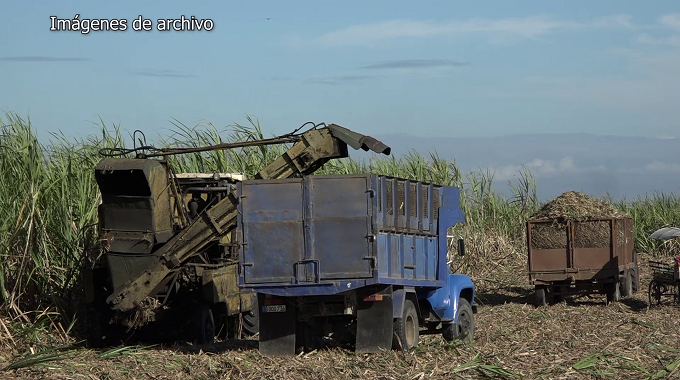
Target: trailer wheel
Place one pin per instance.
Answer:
(539, 296)
(655, 292)
(613, 292)
(627, 283)
(406, 328)
(556, 294)
(203, 325)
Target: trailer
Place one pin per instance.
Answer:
(359, 260)
(593, 256)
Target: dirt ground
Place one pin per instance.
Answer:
(581, 337)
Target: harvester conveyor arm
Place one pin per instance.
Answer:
(315, 148)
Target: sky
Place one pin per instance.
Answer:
(436, 69)
(448, 68)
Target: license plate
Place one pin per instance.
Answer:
(274, 309)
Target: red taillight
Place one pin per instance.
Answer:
(373, 297)
(273, 301)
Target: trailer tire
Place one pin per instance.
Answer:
(627, 283)
(464, 328)
(556, 294)
(539, 296)
(406, 328)
(635, 278)
(613, 292)
(203, 325)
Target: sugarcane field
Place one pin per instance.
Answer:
(580, 336)
(356, 190)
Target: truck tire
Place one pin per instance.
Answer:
(627, 283)
(539, 296)
(203, 325)
(464, 328)
(406, 328)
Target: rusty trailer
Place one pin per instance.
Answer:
(594, 256)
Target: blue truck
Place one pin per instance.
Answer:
(356, 260)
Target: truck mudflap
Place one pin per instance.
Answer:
(445, 300)
(374, 321)
(277, 327)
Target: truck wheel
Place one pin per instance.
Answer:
(464, 327)
(613, 292)
(627, 283)
(406, 328)
(203, 325)
(539, 296)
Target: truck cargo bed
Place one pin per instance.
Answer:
(322, 235)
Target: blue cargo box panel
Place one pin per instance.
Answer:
(330, 233)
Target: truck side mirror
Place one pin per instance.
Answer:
(461, 247)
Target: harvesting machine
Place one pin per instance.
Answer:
(169, 251)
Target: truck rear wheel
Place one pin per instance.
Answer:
(406, 328)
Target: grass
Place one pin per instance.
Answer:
(49, 199)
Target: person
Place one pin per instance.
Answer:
(196, 204)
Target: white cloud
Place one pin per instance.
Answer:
(665, 137)
(666, 167)
(613, 21)
(650, 40)
(543, 168)
(528, 27)
(654, 166)
(498, 30)
(667, 21)
(671, 20)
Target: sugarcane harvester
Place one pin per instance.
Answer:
(169, 252)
